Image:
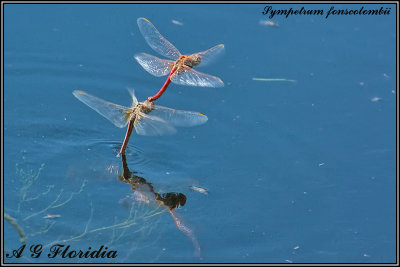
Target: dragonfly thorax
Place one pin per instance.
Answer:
(144, 107)
(189, 61)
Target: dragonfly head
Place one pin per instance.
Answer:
(171, 200)
(197, 59)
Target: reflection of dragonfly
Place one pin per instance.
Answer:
(180, 69)
(170, 201)
(162, 120)
(141, 185)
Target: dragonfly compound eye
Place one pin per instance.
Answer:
(197, 59)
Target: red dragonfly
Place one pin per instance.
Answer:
(146, 117)
(180, 68)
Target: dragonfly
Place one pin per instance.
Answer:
(179, 68)
(145, 117)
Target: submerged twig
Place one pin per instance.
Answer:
(54, 204)
(16, 226)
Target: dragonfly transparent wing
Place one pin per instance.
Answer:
(118, 115)
(153, 126)
(134, 99)
(184, 228)
(154, 65)
(156, 41)
(211, 54)
(194, 78)
(179, 118)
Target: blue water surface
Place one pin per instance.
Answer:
(300, 171)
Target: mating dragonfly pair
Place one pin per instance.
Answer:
(146, 117)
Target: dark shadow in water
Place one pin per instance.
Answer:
(169, 201)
